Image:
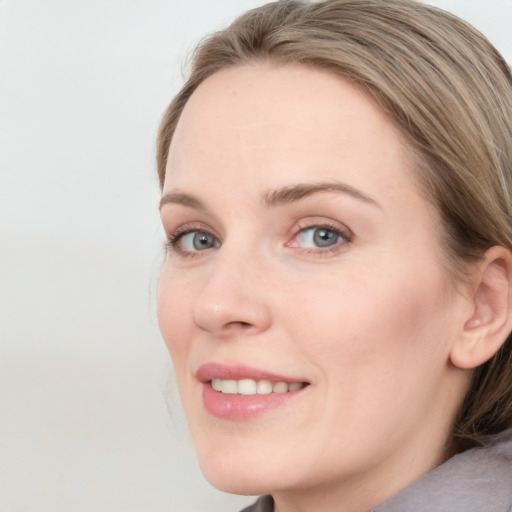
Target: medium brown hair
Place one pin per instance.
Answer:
(450, 92)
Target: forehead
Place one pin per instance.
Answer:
(282, 123)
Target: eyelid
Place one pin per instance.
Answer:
(320, 222)
(173, 238)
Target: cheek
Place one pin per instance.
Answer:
(375, 334)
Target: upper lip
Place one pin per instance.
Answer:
(209, 371)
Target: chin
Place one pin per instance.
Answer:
(246, 473)
(246, 485)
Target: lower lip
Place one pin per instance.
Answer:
(243, 407)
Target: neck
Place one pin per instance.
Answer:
(365, 490)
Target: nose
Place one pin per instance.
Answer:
(232, 300)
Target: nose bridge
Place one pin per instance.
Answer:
(232, 299)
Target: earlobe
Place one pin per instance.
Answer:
(490, 322)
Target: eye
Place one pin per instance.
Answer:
(320, 238)
(192, 241)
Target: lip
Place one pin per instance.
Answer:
(209, 371)
(242, 407)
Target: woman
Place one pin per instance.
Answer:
(336, 183)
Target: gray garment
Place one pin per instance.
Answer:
(479, 480)
(263, 504)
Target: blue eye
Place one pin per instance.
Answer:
(193, 241)
(320, 237)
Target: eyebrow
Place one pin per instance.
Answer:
(278, 197)
(295, 193)
(183, 199)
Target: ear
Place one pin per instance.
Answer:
(491, 319)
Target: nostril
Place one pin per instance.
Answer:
(243, 325)
(238, 326)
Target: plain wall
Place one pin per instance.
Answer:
(84, 375)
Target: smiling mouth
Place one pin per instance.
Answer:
(254, 387)
(243, 393)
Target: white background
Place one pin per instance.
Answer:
(84, 376)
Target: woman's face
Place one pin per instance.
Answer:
(302, 252)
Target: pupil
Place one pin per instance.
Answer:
(325, 237)
(202, 241)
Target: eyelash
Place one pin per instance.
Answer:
(344, 233)
(176, 237)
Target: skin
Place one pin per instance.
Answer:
(369, 321)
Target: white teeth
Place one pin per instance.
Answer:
(280, 387)
(247, 387)
(229, 386)
(253, 387)
(264, 387)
